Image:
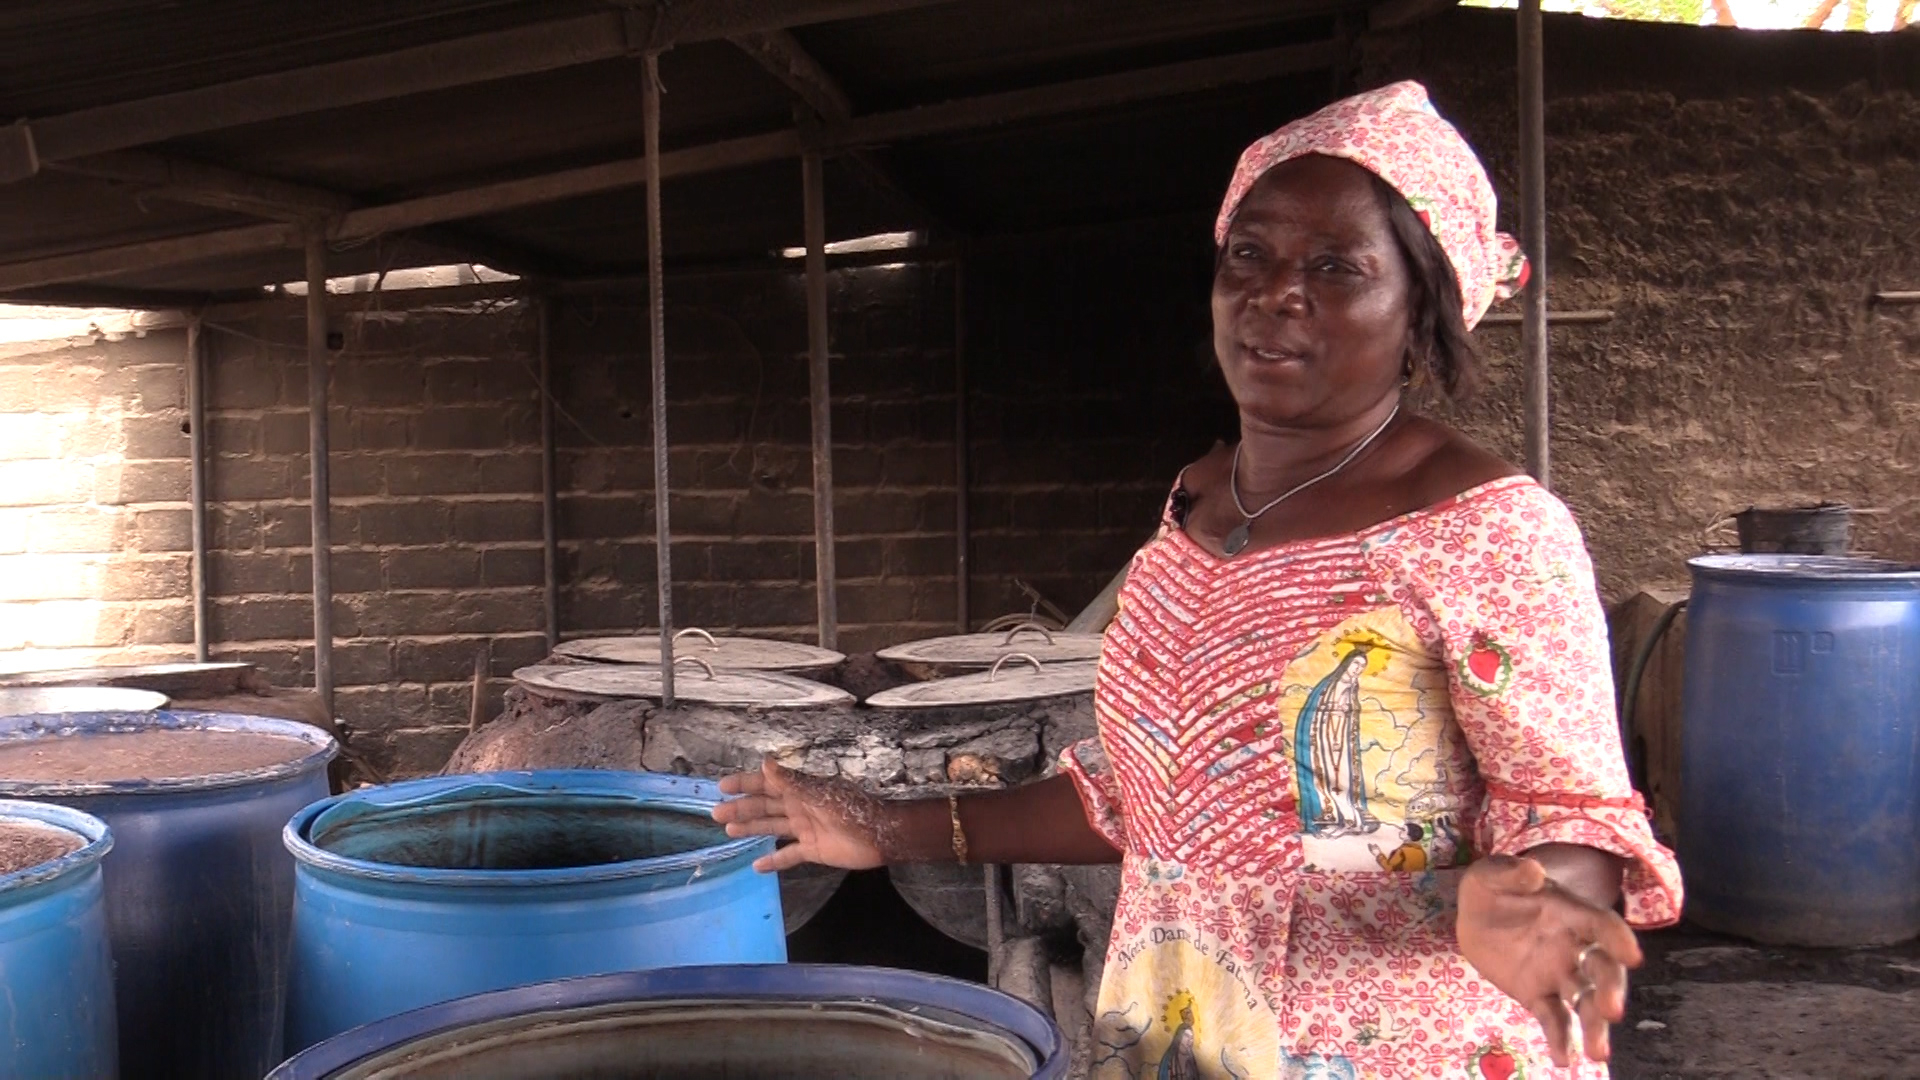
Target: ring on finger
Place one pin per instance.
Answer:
(1586, 991)
(1580, 961)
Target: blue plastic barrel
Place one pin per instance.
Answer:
(429, 890)
(1800, 752)
(199, 891)
(53, 953)
(769, 1022)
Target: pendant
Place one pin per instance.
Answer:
(1237, 539)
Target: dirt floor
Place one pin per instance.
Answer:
(1707, 1007)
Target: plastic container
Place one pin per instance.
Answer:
(1799, 814)
(770, 1022)
(435, 889)
(53, 953)
(199, 891)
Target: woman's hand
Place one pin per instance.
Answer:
(829, 821)
(1551, 951)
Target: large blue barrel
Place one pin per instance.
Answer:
(53, 950)
(429, 890)
(769, 1022)
(199, 890)
(1800, 752)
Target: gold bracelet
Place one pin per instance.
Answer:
(959, 834)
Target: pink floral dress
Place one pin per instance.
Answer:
(1298, 750)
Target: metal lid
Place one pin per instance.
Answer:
(1014, 677)
(178, 680)
(1844, 568)
(23, 700)
(733, 653)
(696, 681)
(984, 650)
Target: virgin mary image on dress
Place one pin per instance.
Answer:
(1326, 749)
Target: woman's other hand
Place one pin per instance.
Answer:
(831, 822)
(1548, 949)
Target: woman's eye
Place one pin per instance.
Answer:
(1327, 264)
(1244, 252)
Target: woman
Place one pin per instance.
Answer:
(1355, 626)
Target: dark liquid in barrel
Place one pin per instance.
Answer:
(153, 754)
(24, 845)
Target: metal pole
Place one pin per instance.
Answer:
(1533, 239)
(821, 395)
(197, 480)
(549, 495)
(657, 317)
(962, 527)
(317, 452)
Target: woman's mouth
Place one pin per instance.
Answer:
(1273, 355)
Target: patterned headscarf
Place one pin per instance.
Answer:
(1394, 133)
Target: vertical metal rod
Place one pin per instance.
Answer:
(1533, 239)
(549, 482)
(821, 395)
(197, 479)
(657, 319)
(317, 436)
(962, 526)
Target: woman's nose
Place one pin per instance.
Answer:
(1282, 290)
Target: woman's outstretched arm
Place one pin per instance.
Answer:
(836, 823)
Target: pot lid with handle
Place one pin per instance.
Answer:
(696, 681)
(1014, 677)
(981, 651)
(730, 653)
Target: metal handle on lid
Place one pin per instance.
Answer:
(1015, 632)
(711, 644)
(703, 665)
(994, 672)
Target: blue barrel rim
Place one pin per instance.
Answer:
(698, 862)
(40, 725)
(719, 982)
(98, 837)
(1836, 569)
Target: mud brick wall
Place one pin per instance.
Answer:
(1734, 198)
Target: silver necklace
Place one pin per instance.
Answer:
(1242, 533)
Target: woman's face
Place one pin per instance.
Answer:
(1310, 297)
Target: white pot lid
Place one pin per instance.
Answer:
(30, 700)
(1017, 677)
(694, 681)
(733, 653)
(984, 650)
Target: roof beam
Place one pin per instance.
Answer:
(163, 176)
(967, 114)
(182, 180)
(787, 60)
(504, 54)
(782, 55)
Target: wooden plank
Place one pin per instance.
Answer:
(503, 54)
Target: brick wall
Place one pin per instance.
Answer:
(740, 428)
(436, 489)
(93, 502)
